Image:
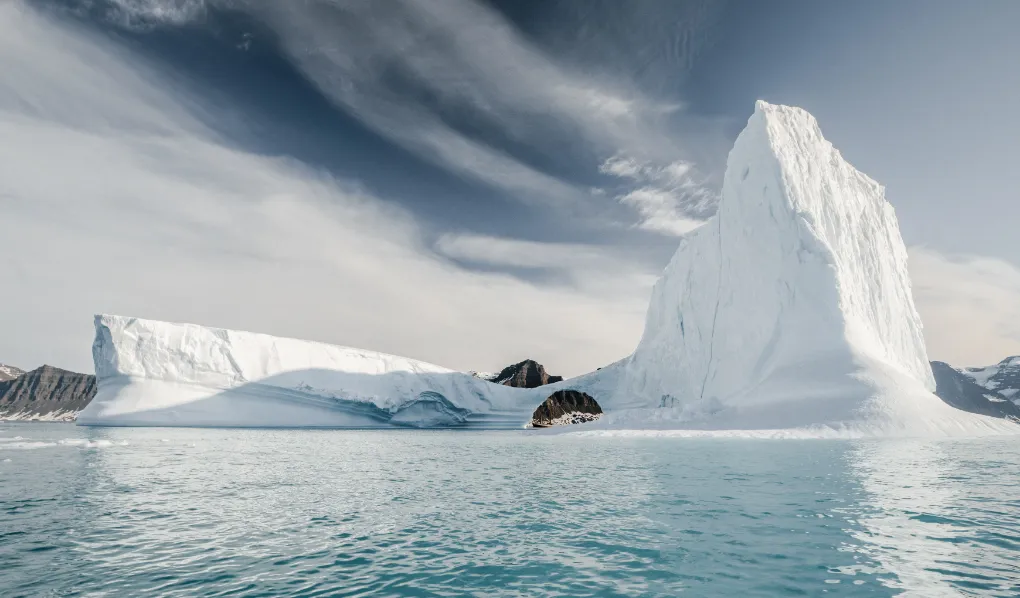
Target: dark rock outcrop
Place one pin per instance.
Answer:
(963, 392)
(565, 407)
(46, 393)
(526, 374)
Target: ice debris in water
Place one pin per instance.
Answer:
(85, 443)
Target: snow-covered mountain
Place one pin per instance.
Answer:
(962, 392)
(790, 310)
(9, 372)
(1001, 379)
(46, 394)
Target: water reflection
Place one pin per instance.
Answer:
(184, 512)
(293, 511)
(933, 518)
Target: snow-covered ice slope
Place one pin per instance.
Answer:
(161, 373)
(791, 307)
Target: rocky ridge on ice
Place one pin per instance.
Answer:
(566, 407)
(789, 310)
(525, 374)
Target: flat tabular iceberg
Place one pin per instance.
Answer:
(788, 313)
(161, 373)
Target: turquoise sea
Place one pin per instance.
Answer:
(205, 512)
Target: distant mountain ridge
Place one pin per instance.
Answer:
(1002, 378)
(9, 372)
(47, 394)
(962, 391)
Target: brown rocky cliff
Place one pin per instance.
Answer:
(526, 374)
(563, 403)
(46, 392)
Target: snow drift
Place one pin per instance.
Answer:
(789, 310)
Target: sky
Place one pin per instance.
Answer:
(470, 183)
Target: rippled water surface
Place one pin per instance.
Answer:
(187, 512)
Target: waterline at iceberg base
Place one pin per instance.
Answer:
(789, 313)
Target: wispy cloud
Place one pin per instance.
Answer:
(116, 199)
(669, 199)
(415, 72)
(144, 13)
(970, 306)
(592, 268)
(378, 60)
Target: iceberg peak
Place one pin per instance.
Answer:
(792, 306)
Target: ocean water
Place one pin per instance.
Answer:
(190, 512)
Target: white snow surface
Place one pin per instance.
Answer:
(981, 376)
(787, 315)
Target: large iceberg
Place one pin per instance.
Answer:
(166, 374)
(791, 308)
(788, 313)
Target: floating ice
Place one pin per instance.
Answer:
(85, 443)
(788, 314)
(159, 373)
(26, 445)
